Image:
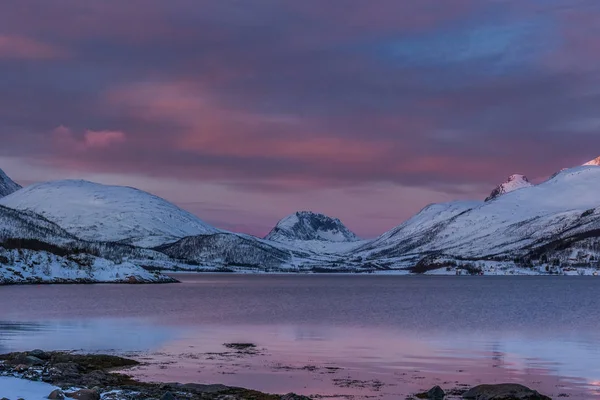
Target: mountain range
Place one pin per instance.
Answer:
(83, 231)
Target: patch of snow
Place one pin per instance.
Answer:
(16, 388)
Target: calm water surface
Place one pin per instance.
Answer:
(358, 336)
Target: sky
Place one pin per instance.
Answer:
(243, 112)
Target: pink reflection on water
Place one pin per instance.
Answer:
(343, 362)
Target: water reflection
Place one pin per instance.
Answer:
(97, 335)
(327, 335)
(318, 359)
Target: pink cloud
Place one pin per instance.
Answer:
(210, 128)
(101, 139)
(65, 138)
(18, 47)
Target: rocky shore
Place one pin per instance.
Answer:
(102, 377)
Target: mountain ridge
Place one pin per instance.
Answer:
(7, 185)
(524, 227)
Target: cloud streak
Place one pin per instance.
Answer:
(19, 47)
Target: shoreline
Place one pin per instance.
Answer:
(174, 280)
(104, 377)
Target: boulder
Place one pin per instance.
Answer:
(84, 394)
(56, 395)
(24, 359)
(436, 393)
(42, 355)
(503, 391)
(37, 362)
(62, 372)
(21, 367)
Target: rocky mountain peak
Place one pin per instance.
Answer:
(514, 182)
(595, 161)
(307, 225)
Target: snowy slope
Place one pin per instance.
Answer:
(98, 212)
(7, 186)
(419, 230)
(514, 182)
(306, 225)
(512, 224)
(15, 224)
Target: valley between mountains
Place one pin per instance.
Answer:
(77, 231)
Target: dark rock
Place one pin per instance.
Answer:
(240, 346)
(168, 396)
(62, 372)
(56, 395)
(42, 355)
(24, 359)
(31, 360)
(84, 394)
(504, 391)
(436, 393)
(199, 388)
(4, 398)
(98, 378)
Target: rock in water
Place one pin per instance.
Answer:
(504, 391)
(436, 393)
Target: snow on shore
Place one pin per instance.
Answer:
(17, 388)
(27, 266)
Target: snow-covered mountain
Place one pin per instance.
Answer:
(96, 212)
(514, 225)
(7, 185)
(308, 226)
(514, 182)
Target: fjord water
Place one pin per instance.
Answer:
(339, 335)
